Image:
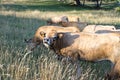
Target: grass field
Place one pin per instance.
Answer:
(19, 20)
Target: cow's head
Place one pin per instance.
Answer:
(50, 38)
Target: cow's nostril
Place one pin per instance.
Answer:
(47, 39)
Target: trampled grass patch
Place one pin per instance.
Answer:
(20, 20)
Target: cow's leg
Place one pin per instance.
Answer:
(108, 75)
(78, 72)
(115, 72)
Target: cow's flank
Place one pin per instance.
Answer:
(86, 46)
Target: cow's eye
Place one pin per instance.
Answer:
(54, 38)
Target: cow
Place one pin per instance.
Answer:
(64, 22)
(37, 39)
(56, 20)
(86, 46)
(94, 28)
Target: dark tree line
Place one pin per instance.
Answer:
(98, 3)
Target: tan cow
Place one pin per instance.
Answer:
(64, 22)
(56, 20)
(94, 28)
(86, 46)
(37, 39)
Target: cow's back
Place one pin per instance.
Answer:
(94, 28)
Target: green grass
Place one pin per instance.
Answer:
(20, 20)
(55, 6)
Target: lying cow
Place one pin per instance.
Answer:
(56, 20)
(37, 39)
(86, 46)
(94, 28)
(66, 23)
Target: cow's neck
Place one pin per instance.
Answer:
(58, 45)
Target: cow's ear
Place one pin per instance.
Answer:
(26, 41)
(42, 34)
(59, 35)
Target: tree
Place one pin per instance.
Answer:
(78, 2)
(98, 3)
